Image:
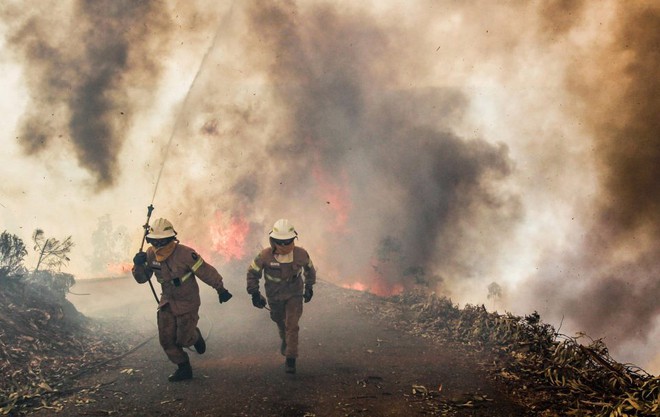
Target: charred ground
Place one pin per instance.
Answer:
(361, 355)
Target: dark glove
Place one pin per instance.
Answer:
(224, 296)
(140, 258)
(309, 293)
(258, 300)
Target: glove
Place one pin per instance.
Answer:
(140, 258)
(309, 293)
(258, 300)
(224, 296)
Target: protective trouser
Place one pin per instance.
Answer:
(176, 332)
(286, 314)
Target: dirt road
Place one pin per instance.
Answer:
(350, 364)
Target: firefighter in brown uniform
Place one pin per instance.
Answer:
(289, 276)
(176, 267)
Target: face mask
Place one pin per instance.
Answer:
(164, 252)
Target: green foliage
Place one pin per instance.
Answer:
(53, 254)
(12, 253)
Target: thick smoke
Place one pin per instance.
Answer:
(610, 287)
(353, 153)
(88, 66)
(446, 144)
(374, 168)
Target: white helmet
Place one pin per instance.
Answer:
(283, 230)
(161, 229)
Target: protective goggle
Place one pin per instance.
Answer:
(285, 242)
(159, 243)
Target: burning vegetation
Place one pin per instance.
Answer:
(45, 344)
(551, 373)
(488, 155)
(436, 147)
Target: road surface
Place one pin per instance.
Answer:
(350, 364)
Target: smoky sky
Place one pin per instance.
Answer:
(328, 69)
(611, 285)
(338, 117)
(86, 64)
(630, 147)
(428, 200)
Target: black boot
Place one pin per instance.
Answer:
(283, 347)
(200, 344)
(183, 372)
(290, 366)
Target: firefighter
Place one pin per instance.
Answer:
(289, 276)
(176, 267)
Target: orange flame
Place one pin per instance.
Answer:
(228, 235)
(355, 286)
(375, 283)
(120, 268)
(379, 288)
(335, 193)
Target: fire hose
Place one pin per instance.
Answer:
(144, 236)
(150, 208)
(167, 149)
(177, 122)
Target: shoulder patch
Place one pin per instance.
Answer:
(194, 255)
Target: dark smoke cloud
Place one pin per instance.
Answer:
(560, 16)
(361, 124)
(86, 70)
(424, 197)
(629, 139)
(423, 183)
(611, 285)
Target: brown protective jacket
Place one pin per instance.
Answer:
(281, 280)
(176, 275)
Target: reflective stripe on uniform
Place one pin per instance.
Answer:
(272, 278)
(194, 268)
(254, 266)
